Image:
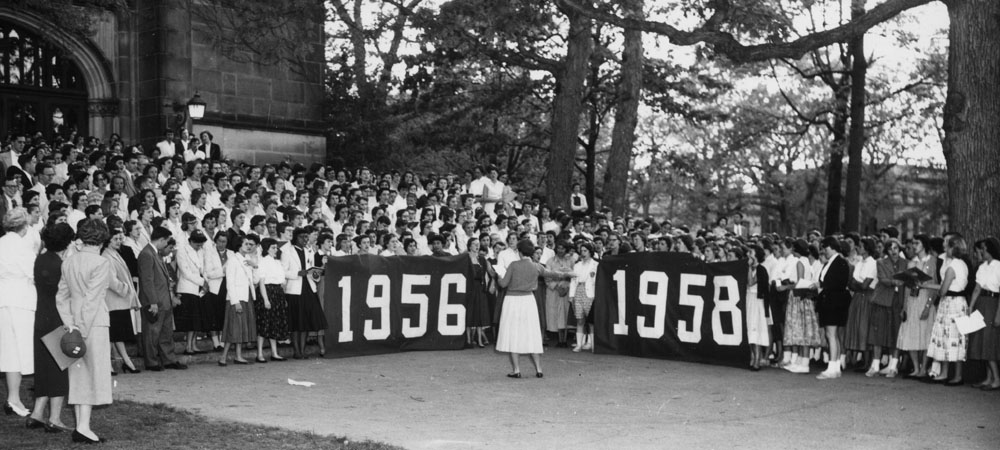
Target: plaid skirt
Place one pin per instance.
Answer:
(947, 344)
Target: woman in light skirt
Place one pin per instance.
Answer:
(81, 303)
(947, 344)
(919, 311)
(240, 326)
(519, 331)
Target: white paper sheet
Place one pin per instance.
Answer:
(971, 323)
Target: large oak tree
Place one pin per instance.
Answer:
(972, 111)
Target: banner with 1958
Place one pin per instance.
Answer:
(671, 305)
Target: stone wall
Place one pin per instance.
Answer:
(177, 58)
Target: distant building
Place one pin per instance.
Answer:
(135, 74)
(917, 202)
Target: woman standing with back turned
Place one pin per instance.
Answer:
(520, 331)
(80, 300)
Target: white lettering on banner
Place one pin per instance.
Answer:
(658, 299)
(413, 298)
(689, 332)
(345, 335)
(620, 327)
(446, 309)
(378, 297)
(731, 306)
(380, 302)
(694, 335)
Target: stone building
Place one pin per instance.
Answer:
(135, 74)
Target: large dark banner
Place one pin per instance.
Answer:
(380, 304)
(671, 305)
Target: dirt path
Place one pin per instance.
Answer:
(461, 399)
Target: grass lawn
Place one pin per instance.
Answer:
(130, 425)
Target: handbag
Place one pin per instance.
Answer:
(562, 288)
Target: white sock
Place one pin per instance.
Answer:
(826, 357)
(875, 365)
(787, 357)
(892, 363)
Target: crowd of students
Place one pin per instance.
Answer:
(233, 252)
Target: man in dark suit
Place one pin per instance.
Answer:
(833, 301)
(157, 305)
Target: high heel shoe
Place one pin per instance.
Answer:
(53, 428)
(261, 360)
(514, 375)
(80, 438)
(128, 369)
(539, 375)
(278, 358)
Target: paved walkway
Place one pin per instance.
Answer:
(461, 399)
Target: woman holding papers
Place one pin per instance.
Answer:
(984, 344)
(887, 302)
(919, 311)
(947, 344)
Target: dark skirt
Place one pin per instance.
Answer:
(858, 317)
(883, 326)
(50, 380)
(239, 327)
(477, 312)
(272, 323)
(188, 313)
(984, 344)
(779, 304)
(121, 326)
(311, 315)
(214, 311)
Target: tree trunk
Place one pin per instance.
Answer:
(626, 116)
(566, 110)
(972, 134)
(856, 143)
(835, 172)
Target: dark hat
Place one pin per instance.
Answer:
(72, 344)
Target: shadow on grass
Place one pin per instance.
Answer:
(131, 425)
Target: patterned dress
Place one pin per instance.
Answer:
(801, 321)
(947, 344)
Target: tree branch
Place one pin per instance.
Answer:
(726, 44)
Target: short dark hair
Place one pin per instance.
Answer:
(159, 233)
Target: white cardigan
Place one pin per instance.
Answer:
(214, 269)
(584, 273)
(190, 269)
(240, 280)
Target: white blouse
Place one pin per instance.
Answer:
(866, 269)
(961, 270)
(988, 276)
(270, 271)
